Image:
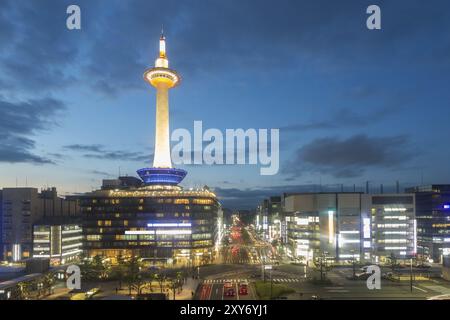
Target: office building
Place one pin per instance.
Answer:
(59, 240)
(433, 221)
(349, 226)
(21, 209)
(390, 220)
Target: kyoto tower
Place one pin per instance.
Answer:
(163, 79)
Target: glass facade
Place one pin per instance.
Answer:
(152, 222)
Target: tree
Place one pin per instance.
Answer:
(133, 268)
(322, 266)
(160, 278)
(392, 261)
(47, 283)
(24, 290)
(118, 271)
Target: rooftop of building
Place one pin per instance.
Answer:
(151, 191)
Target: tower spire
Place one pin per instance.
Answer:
(162, 44)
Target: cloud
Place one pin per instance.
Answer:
(14, 149)
(97, 151)
(100, 173)
(19, 122)
(346, 117)
(117, 41)
(249, 198)
(85, 147)
(350, 157)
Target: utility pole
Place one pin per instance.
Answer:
(411, 274)
(271, 284)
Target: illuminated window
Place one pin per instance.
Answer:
(181, 201)
(202, 201)
(125, 223)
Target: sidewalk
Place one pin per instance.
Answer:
(188, 288)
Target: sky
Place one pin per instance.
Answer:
(352, 104)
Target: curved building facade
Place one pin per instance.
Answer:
(161, 223)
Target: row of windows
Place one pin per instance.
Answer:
(150, 200)
(150, 208)
(166, 244)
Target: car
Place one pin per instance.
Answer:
(228, 289)
(243, 288)
(423, 266)
(364, 269)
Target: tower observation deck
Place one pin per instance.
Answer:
(163, 79)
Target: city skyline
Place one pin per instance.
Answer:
(351, 104)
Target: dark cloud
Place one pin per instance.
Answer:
(100, 173)
(97, 151)
(15, 149)
(19, 122)
(85, 147)
(346, 117)
(117, 41)
(39, 49)
(348, 158)
(249, 198)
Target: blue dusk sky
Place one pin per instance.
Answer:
(352, 104)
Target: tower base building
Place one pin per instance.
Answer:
(161, 223)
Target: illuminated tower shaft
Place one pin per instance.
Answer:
(163, 79)
(162, 146)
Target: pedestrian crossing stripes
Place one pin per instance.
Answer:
(220, 281)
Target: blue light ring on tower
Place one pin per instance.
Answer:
(163, 176)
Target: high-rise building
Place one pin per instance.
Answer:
(21, 209)
(390, 221)
(59, 239)
(268, 218)
(433, 221)
(350, 226)
(155, 219)
(319, 223)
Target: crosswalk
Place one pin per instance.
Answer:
(250, 261)
(221, 281)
